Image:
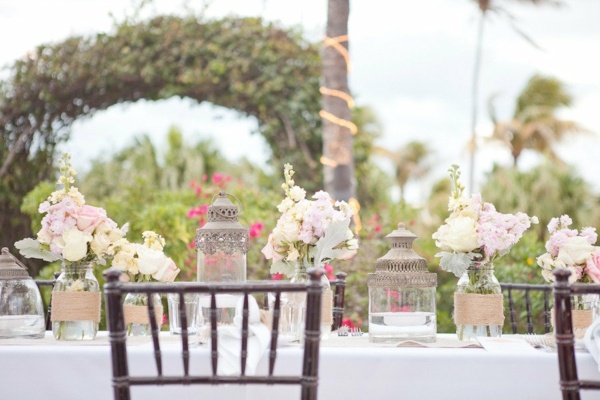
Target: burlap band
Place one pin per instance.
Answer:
(139, 314)
(582, 319)
(76, 306)
(478, 309)
(327, 308)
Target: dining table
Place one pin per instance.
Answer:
(350, 367)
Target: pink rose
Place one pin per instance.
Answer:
(89, 217)
(592, 268)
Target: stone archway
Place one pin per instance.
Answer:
(244, 64)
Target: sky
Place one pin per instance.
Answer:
(412, 63)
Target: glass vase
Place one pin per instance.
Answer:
(293, 310)
(135, 310)
(585, 311)
(76, 302)
(478, 305)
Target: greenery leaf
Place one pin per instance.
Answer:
(31, 248)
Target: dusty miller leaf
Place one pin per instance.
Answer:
(31, 248)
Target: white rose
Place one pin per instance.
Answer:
(100, 244)
(575, 250)
(149, 261)
(459, 234)
(287, 230)
(75, 247)
(167, 271)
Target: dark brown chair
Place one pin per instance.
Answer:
(42, 284)
(570, 384)
(520, 305)
(339, 285)
(122, 381)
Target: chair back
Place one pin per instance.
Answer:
(122, 381)
(47, 285)
(520, 304)
(339, 285)
(570, 384)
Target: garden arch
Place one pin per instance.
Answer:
(244, 64)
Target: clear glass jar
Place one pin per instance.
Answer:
(76, 302)
(585, 311)
(401, 312)
(21, 309)
(479, 279)
(135, 310)
(293, 310)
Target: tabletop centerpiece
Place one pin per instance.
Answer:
(472, 238)
(143, 263)
(82, 236)
(573, 250)
(308, 234)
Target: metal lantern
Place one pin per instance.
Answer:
(222, 244)
(402, 293)
(21, 307)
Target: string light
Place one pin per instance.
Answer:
(339, 121)
(328, 162)
(355, 205)
(336, 43)
(339, 94)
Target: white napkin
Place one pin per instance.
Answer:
(592, 340)
(230, 341)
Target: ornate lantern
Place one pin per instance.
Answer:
(21, 308)
(402, 293)
(222, 244)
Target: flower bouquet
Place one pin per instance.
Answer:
(80, 236)
(569, 249)
(472, 238)
(308, 234)
(141, 263)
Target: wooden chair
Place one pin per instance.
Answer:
(47, 283)
(570, 384)
(122, 381)
(339, 285)
(517, 293)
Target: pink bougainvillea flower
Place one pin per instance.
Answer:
(256, 229)
(277, 277)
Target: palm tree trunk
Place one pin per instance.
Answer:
(475, 100)
(338, 143)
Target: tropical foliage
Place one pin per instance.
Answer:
(535, 124)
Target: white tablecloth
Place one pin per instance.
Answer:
(349, 368)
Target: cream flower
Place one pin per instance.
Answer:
(575, 250)
(458, 235)
(148, 260)
(75, 244)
